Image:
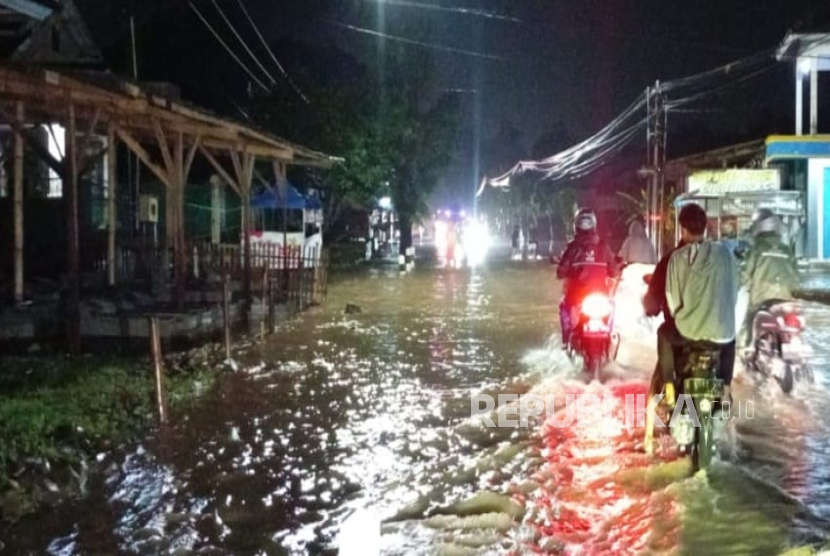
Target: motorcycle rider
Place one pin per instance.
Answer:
(770, 272)
(701, 294)
(586, 265)
(654, 303)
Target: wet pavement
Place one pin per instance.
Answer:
(341, 421)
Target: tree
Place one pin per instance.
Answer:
(419, 135)
(393, 140)
(340, 120)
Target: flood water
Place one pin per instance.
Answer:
(341, 422)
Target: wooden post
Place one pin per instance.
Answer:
(226, 313)
(158, 369)
(246, 235)
(215, 209)
(18, 210)
(315, 278)
(112, 214)
(264, 293)
(179, 254)
(70, 193)
(327, 253)
(169, 230)
(272, 320)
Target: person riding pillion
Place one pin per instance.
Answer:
(585, 265)
(770, 272)
(701, 295)
(637, 248)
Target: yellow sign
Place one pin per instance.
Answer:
(721, 182)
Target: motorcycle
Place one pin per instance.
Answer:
(593, 336)
(703, 419)
(777, 349)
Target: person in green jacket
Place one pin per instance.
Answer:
(770, 272)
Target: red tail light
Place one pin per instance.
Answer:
(597, 306)
(793, 321)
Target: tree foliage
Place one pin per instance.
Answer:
(395, 138)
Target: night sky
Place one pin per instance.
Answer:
(572, 64)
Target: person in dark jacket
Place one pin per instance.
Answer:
(655, 303)
(770, 272)
(585, 266)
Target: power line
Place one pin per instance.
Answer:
(574, 161)
(604, 150)
(588, 155)
(227, 48)
(459, 10)
(404, 40)
(738, 82)
(595, 139)
(242, 42)
(271, 53)
(518, 21)
(721, 71)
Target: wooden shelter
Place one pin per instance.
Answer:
(165, 135)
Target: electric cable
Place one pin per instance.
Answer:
(243, 42)
(741, 81)
(412, 42)
(721, 71)
(227, 48)
(271, 53)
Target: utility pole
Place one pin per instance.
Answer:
(656, 161)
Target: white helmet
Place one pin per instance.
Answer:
(585, 221)
(765, 221)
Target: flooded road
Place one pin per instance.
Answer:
(340, 422)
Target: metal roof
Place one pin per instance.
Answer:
(806, 45)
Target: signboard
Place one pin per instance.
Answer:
(722, 182)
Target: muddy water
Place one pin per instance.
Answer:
(335, 412)
(341, 417)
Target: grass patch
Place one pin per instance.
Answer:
(59, 409)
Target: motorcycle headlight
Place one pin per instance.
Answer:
(597, 306)
(683, 430)
(705, 405)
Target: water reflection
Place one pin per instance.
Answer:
(365, 413)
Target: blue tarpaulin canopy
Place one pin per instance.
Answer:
(296, 200)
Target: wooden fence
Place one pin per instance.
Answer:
(295, 275)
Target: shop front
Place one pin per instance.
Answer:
(808, 158)
(732, 196)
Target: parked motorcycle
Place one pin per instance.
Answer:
(777, 349)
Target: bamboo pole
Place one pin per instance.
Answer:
(112, 214)
(272, 317)
(18, 209)
(70, 182)
(158, 369)
(226, 314)
(264, 293)
(179, 255)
